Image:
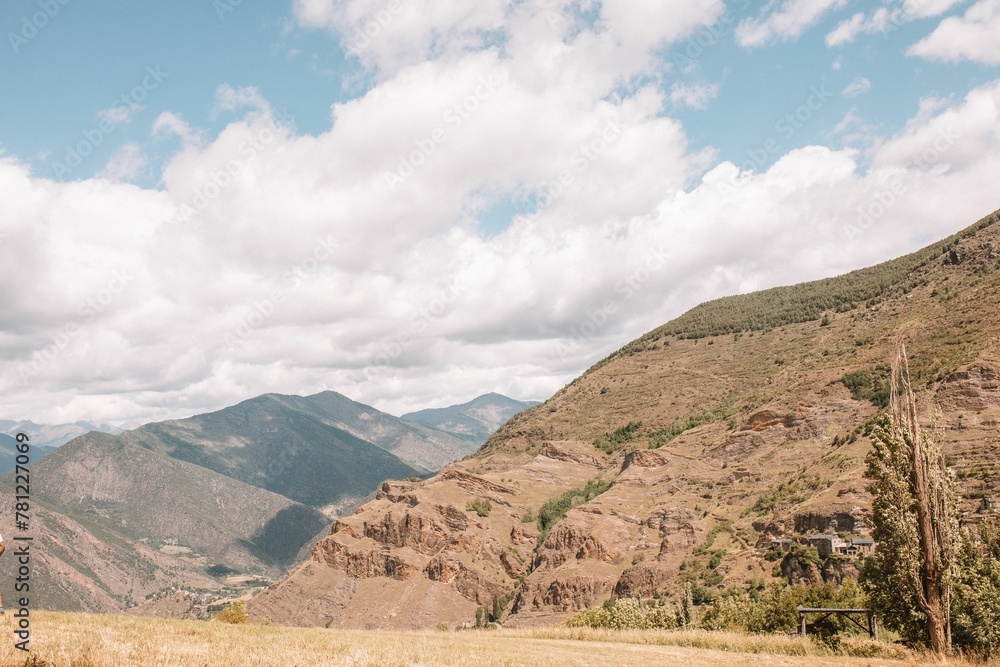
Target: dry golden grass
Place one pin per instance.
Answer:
(83, 640)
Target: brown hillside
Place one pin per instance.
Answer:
(716, 432)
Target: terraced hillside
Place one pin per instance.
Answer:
(678, 458)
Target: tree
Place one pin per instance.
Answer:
(977, 590)
(913, 511)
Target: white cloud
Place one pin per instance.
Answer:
(228, 98)
(351, 259)
(388, 294)
(859, 86)
(126, 164)
(893, 15)
(171, 124)
(389, 35)
(696, 96)
(975, 36)
(783, 21)
(119, 114)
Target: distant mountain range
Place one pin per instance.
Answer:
(8, 452)
(476, 420)
(53, 435)
(186, 503)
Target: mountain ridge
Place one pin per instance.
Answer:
(476, 419)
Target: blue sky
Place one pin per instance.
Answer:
(453, 204)
(86, 57)
(89, 56)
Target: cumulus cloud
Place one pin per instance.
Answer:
(126, 164)
(885, 19)
(696, 96)
(391, 35)
(119, 114)
(353, 260)
(331, 278)
(973, 36)
(171, 124)
(783, 21)
(859, 86)
(228, 98)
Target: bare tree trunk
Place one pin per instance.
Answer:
(932, 572)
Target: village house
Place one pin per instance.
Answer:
(781, 543)
(859, 547)
(826, 544)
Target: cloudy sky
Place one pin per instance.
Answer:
(414, 202)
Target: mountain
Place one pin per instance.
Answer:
(200, 503)
(677, 459)
(417, 444)
(53, 435)
(476, 420)
(113, 522)
(8, 452)
(304, 448)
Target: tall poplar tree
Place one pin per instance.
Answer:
(913, 511)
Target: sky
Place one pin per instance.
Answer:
(414, 202)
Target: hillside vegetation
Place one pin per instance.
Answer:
(805, 302)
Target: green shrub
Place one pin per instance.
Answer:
(612, 442)
(775, 608)
(629, 614)
(235, 612)
(976, 609)
(499, 606)
(555, 509)
(480, 506)
(867, 386)
(773, 555)
(808, 555)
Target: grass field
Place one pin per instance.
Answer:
(81, 640)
